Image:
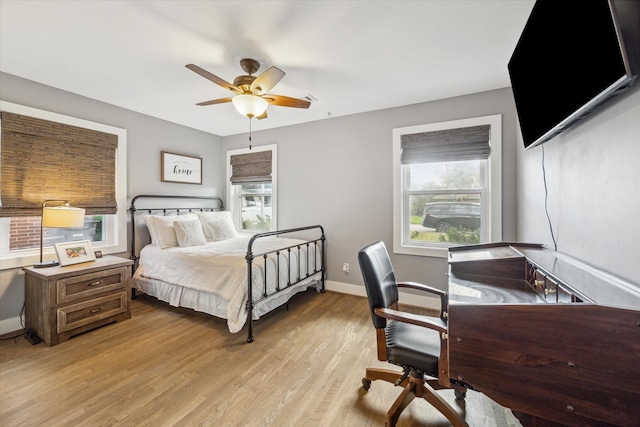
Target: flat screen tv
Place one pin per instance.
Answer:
(571, 58)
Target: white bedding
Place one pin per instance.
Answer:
(220, 268)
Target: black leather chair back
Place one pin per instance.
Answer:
(379, 279)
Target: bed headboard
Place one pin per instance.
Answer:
(148, 204)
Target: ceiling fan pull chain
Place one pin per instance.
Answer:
(249, 133)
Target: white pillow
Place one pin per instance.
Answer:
(148, 220)
(217, 226)
(165, 232)
(189, 233)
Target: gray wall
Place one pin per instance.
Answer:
(338, 172)
(593, 178)
(146, 137)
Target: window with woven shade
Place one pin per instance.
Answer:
(447, 145)
(447, 185)
(251, 167)
(50, 156)
(252, 188)
(45, 160)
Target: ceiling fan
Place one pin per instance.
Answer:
(252, 97)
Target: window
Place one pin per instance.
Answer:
(447, 185)
(251, 190)
(25, 232)
(20, 245)
(256, 212)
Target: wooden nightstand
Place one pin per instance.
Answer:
(61, 302)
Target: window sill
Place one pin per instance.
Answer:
(440, 252)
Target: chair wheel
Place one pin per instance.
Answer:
(459, 394)
(366, 383)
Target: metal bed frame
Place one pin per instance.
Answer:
(318, 245)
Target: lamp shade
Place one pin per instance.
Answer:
(62, 217)
(250, 105)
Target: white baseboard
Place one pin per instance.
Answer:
(13, 324)
(406, 298)
(10, 325)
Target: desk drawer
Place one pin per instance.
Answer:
(86, 285)
(84, 313)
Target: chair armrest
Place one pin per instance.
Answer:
(444, 295)
(422, 287)
(434, 323)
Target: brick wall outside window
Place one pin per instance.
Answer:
(24, 233)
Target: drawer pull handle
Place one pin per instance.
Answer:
(95, 283)
(94, 310)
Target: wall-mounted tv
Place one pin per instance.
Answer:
(571, 58)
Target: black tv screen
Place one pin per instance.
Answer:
(569, 59)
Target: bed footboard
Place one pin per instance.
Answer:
(313, 249)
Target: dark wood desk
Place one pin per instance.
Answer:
(546, 335)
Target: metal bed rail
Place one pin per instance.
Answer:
(250, 257)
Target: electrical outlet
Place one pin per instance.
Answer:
(345, 267)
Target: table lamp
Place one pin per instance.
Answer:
(58, 217)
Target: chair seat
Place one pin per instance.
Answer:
(413, 346)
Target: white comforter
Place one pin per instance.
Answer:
(221, 268)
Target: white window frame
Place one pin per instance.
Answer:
(233, 202)
(116, 239)
(492, 211)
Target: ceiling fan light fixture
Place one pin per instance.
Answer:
(250, 105)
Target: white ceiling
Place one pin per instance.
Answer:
(352, 56)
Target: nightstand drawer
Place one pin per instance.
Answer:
(86, 285)
(84, 313)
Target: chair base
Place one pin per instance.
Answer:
(415, 385)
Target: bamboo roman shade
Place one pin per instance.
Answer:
(251, 167)
(449, 145)
(42, 160)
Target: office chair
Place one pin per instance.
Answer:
(414, 342)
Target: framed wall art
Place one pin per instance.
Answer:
(74, 252)
(180, 168)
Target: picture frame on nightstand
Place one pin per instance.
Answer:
(70, 253)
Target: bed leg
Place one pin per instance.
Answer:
(250, 334)
(250, 321)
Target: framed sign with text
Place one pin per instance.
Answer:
(180, 168)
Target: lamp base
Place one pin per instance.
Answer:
(45, 264)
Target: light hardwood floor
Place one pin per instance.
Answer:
(168, 366)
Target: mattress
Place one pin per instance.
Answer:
(212, 278)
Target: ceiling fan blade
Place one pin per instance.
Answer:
(267, 80)
(262, 116)
(212, 77)
(214, 101)
(285, 101)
